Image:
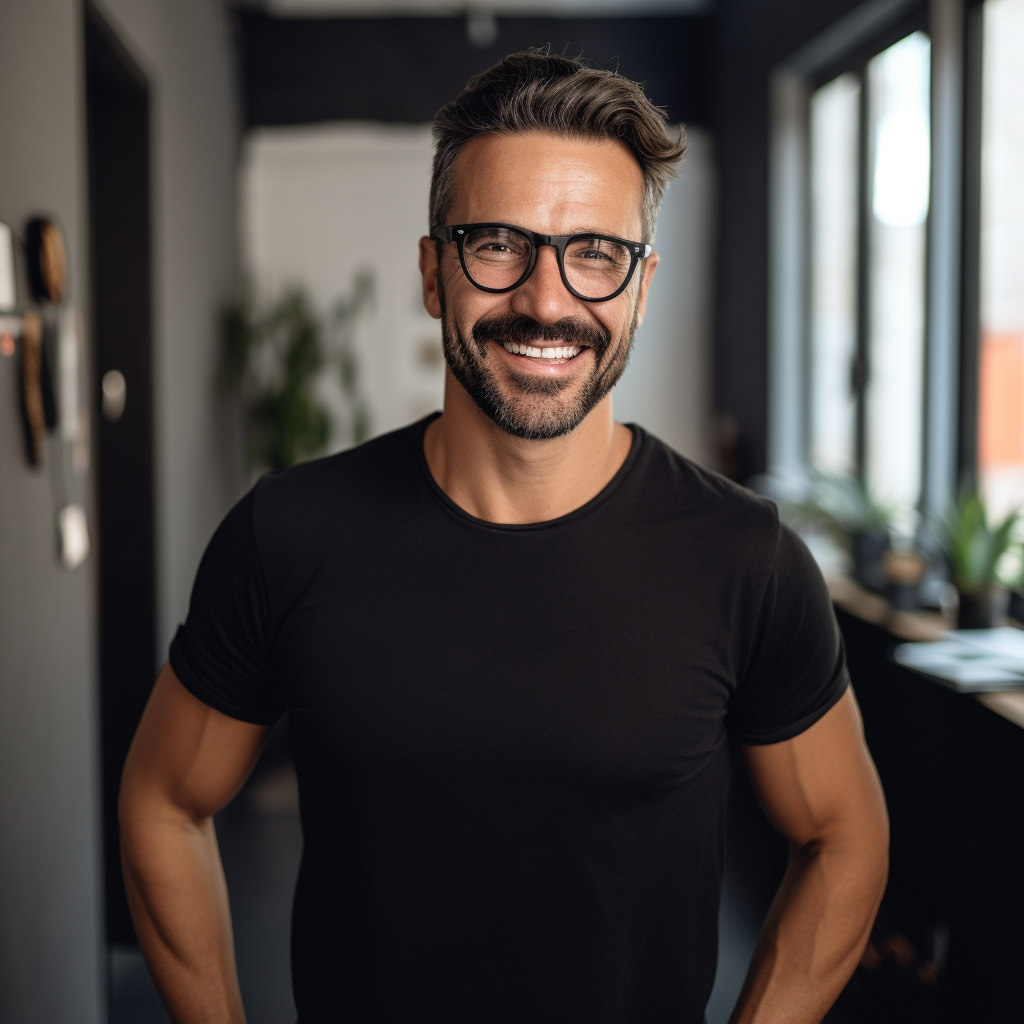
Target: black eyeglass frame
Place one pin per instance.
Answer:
(457, 233)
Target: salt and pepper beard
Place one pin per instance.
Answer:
(468, 363)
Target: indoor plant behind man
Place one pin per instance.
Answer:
(514, 642)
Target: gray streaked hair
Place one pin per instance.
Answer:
(538, 91)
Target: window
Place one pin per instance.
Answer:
(899, 137)
(897, 261)
(1001, 357)
(835, 133)
(869, 152)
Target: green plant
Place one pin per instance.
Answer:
(973, 546)
(272, 358)
(843, 505)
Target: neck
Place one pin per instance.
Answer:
(504, 479)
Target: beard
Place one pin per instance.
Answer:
(523, 404)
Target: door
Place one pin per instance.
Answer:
(117, 103)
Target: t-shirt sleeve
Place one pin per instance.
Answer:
(797, 670)
(221, 654)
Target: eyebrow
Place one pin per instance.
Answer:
(588, 230)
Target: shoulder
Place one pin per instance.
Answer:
(302, 512)
(680, 486)
(335, 480)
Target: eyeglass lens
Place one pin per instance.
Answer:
(498, 258)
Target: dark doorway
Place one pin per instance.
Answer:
(117, 100)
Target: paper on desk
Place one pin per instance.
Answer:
(970, 659)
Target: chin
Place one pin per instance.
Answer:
(537, 421)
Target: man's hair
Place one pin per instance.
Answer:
(538, 91)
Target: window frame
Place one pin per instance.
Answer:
(949, 453)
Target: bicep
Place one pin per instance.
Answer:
(822, 783)
(186, 754)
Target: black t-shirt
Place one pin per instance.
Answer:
(512, 742)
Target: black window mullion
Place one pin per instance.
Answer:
(970, 264)
(860, 372)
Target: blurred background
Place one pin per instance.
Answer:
(208, 223)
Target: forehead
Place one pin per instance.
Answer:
(549, 184)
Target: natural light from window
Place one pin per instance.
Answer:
(835, 117)
(898, 131)
(1001, 393)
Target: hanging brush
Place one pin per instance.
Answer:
(33, 400)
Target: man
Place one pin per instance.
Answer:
(514, 643)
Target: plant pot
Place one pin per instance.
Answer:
(868, 550)
(984, 609)
(905, 597)
(904, 569)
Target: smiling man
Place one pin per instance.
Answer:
(515, 643)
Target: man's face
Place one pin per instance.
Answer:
(500, 346)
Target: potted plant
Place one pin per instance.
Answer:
(846, 507)
(272, 357)
(975, 548)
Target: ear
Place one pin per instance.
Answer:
(428, 270)
(649, 267)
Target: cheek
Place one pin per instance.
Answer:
(618, 321)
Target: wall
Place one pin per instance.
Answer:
(667, 385)
(51, 955)
(49, 856)
(320, 204)
(406, 68)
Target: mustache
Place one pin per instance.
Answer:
(524, 330)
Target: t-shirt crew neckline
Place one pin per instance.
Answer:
(578, 513)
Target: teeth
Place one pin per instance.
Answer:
(559, 352)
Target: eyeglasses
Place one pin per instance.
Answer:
(500, 257)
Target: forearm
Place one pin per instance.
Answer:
(179, 904)
(815, 933)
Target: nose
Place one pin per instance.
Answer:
(543, 296)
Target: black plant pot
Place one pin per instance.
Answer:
(868, 550)
(984, 609)
(905, 597)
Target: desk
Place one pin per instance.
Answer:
(853, 599)
(953, 774)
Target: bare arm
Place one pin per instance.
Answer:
(186, 762)
(822, 792)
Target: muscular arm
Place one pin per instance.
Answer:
(822, 792)
(186, 762)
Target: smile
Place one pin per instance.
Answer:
(559, 353)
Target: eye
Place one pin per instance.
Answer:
(599, 250)
(500, 244)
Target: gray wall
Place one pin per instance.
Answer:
(49, 868)
(51, 954)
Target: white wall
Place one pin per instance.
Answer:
(667, 385)
(51, 951)
(319, 203)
